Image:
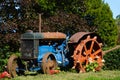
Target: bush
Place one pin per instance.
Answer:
(112, 60)
(91, 67)
(3, 63)
(4, 55)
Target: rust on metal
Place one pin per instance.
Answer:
(87, 51)
(12, 65)
(82, 35)
(112, 49)
(54, 35)
(49, 63)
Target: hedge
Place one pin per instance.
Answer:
(112, 60)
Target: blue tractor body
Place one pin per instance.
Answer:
(34, 46)
(59, 54)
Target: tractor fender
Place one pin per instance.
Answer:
(77, 37)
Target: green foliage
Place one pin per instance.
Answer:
(118, 17)
(5, 53)
(47, 6)
(3, 63)
(75, 16)
(101, 21)
(112, 60)
(117, 20)
(52, 6)
(91, 66)
(76, 6)
(108, 29)
(108, 33)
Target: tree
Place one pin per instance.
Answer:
(101, 20)
(51, 6)
(95, 14)
(75, 16)
(66, 14)
(8, 26)
(117, 20)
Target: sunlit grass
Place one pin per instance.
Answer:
(102, 75)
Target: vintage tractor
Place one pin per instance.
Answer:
(48, 50)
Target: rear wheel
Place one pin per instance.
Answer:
(88, 51)
(49, 63)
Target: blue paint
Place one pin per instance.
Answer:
(59, 51)
(57, 48)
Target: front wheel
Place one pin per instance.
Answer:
(12, 65)
(49, 63)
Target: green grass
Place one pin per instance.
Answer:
(102, 75)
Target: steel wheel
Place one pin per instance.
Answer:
(48, 63)
(12, 65)
(87, 51)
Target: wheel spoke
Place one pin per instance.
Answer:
(91, 47)
(85, 48)
(99, 60)
(87, 62)
(82, 69)
(96, 52)
(82, 59)
(48, 60)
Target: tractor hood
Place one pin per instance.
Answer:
(43, 35)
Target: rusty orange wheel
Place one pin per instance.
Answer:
(87, 51)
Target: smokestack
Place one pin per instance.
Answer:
(39, 23)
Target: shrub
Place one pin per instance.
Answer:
(91, 66)
(4, 55)
(112, 60)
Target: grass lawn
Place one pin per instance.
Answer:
(102, 75)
